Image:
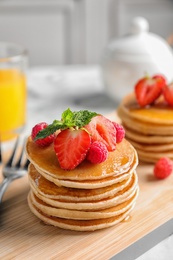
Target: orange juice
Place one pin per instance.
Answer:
(12, 102)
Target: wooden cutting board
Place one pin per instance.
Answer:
(23, 236)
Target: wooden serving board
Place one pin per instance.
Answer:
(23, 236)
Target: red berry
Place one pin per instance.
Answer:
(148, 89)
(161, 78)
(97, 153)
(120, 132)
(163, 168)
(71, 147)
(44, 141)
(168, 94)
(102, 130)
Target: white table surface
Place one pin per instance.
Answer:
(53, 89)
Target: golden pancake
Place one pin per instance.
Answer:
(90, 184)
(148, 139)
(87, 198)
(82, 215)
(158, 113)
(147, 156)
(111, 201)
(78, 225)
(93, 184)
(45, 160)
(50, 190)
(162, 148)
(147, 128)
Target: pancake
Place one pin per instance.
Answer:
(141, 127)
(158, 113)
(78, 225)
(50, 190)
(93, 184)
(87, 198)
(163, 148)
(45, 160)
(119, 197)
(82, 215)
(90, 184)
(149, 129)
(148, 139)
(153, 156)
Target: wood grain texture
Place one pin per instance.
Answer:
(23, 236)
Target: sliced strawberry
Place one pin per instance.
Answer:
(148, 89)
(161, 78)
(102, 130)
(168, 93)
(71, 147)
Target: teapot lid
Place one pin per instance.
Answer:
(139, 41)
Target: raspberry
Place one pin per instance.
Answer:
(97, 153)
(120, 132)
(163, 168)
(168, 93)
(45, 141)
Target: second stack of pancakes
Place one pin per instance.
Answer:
(87, 198)
(149, 129)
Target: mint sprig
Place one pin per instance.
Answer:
(69, 119)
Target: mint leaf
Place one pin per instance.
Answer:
(50, 129)
(79, 118)
(83, 117)
(69, 119)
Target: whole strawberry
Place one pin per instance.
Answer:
(97, 153)
(148, 89)
(168, 93)
(44, 141)
(163, 168)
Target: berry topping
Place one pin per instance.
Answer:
(79, 135)
(168, 94)
(148, 89)
(71, 147)
(163, 168)
(97, 153)
(44, 141)
(69, 119)
(161, 78)
(120, 132)
(102, 130)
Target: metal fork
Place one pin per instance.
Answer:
(12, 169)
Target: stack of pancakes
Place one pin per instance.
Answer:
(90, 197)
(149, 129)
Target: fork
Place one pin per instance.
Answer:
(12, 169)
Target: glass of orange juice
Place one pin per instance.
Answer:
(13, 65)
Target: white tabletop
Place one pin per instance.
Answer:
(51, 90)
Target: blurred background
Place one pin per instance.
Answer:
(58, 32)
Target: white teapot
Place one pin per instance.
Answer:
(127, 59)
